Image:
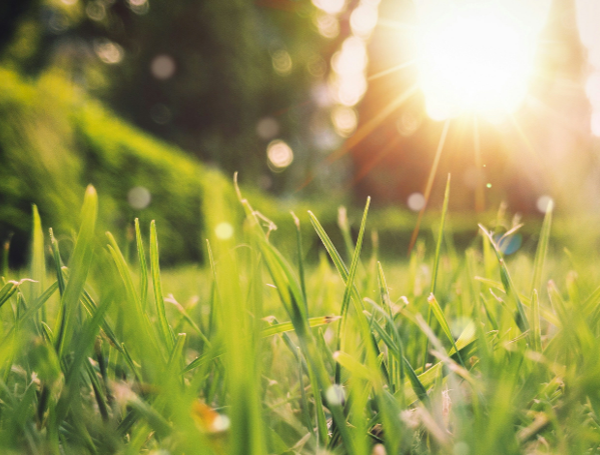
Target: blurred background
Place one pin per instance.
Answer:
(316, 103)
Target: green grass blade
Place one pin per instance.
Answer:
(384, 292)
(344, 226)
(143, 266)
(80, 265)
(8, 291)
(333, 254)
(85, 341)
(509, 287)
(187, 318)
(124, 273)
(350, 284)
(536, 331)
(291, 296)
(283, 327)
(441, 319)
(329, 246)
(440, 238)
(436, 261)
(300, 258)
(417, 385)
(141, 335)
(5, 253)
(203, 359)
(97, 389)
(165, 329)
(214, 291)
(39, 303)
(542, 249)
(57, 264)
(355, 367)
(38, 261)
(176, 356)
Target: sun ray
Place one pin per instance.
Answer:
(528, 145)
(430, 181)
(479, 193)
(363, 132)
(364, 170)
(392, 70)
(395, 25)
(373, 123)
(540, 106)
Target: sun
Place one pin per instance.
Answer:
(476, 58)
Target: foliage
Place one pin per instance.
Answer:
(223, 81)
(55, 140)
(102, 361)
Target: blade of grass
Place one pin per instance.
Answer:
(85, 340)
(509, 287)
(38, 261)
(536, 331)
(214, 291)
(80, 265)
(291, 297)
(5, 252)
(436, 262)
(289, 326)
(300, 257)
(441, 319)
(9, 289)
(165, 328)
(440, 238)
(350, 285)
(57, 264)
(143, 266)
(542, 249)
(344, 226)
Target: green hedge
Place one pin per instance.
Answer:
(54, 140)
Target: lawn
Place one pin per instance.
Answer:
(446, 352)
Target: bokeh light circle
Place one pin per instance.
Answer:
(279, 154)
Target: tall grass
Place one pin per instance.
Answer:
(278, 356)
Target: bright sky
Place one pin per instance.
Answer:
(588, 23)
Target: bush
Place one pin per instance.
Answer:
(54, 140)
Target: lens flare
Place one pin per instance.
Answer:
(139, 197)
(416, 201)
(544, 203)
(224, 231)
(477, 57)
(163, 67)
(344, 120)
(280, 155)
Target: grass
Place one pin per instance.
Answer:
(264, 354)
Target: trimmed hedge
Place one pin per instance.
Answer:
(54, 140)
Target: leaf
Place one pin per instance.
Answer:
(165, 329)
(436, 260)
(536, 331)
(352, 365)
(289, 326)
(350, 283)
(38, 260)
(438, 246)
(441, 319)
(509, 287)
(85, 340)
(542, 249)
(80, 265)
(143, 267)
(10, 288)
